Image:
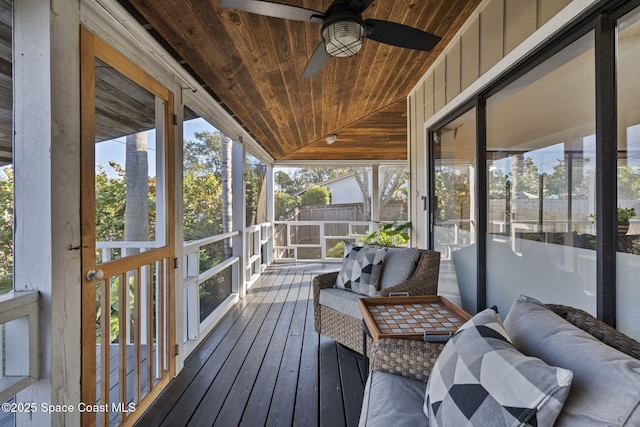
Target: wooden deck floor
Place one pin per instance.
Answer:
(265, 365)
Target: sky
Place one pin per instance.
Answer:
(115, 149)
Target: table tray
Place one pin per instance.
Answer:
(423, 318)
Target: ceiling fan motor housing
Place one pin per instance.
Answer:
(343, 34)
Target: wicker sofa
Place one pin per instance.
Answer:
(395, 390)
(345, 328)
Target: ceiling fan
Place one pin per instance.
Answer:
(343, 28)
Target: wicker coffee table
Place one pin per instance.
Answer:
(423, 318)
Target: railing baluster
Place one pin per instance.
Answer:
(105, 346)
(123, 337)
(160, 316)
(150, 325)
(2, 346)
(137, 397)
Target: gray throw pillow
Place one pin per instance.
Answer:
(480, 379)
(399, 265)
(360, 271)
(606, 382)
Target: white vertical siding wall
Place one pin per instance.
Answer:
(47, 195)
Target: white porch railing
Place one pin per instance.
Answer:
(313, 240)
(192, 277)
(258, 252)
(19, 364)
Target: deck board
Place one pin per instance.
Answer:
(264, 364)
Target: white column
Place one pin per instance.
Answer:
(472, 204)
(239, 215)
(270, 213)
(179, 273)
(47, 195)
(375, 193)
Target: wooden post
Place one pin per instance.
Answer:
(47, 195)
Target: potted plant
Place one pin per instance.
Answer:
(624, 215)
(390, 234)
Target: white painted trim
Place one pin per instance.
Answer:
(193, 246)
(113, 24)
(218, 268)
(343, 163)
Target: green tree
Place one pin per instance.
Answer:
(526, 175)
(284, 204)
(452, 192)
(297, 180)
(317, 175)
(289, 184)
(255, 184)
(207, 203)
(316, 195)
(6, 230)
(202, 215)
(497, 184)
(391, 185)
(556, 182)
(110, 204)
(202, 187)
(628, 183)
(202, 155)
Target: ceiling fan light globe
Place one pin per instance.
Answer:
(343, 38)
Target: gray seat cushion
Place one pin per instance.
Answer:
(341, 300)
(392, 400)
(606, 383)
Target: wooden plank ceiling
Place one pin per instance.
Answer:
(6, 89)
(253, 64)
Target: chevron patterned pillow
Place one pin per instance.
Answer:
(361, 269)
(480, 379)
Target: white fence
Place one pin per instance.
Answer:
(19, 364)
(316, 240)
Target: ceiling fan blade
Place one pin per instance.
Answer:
(400, 35)
(316, 62)
(358, 6)
(275, 10)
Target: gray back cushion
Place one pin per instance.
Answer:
(606, 383)
(398, 266)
